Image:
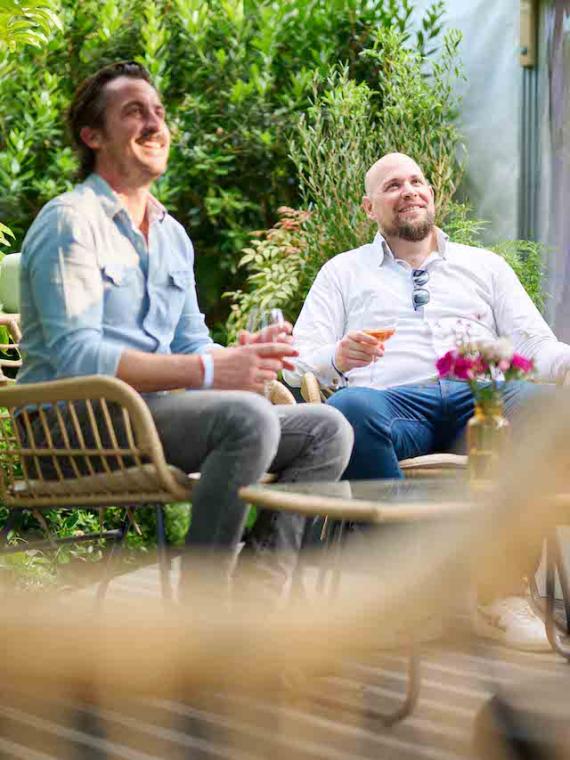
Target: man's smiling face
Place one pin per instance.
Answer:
(133, 144)
(400, 199)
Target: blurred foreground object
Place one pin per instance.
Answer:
(528, 721)
(76, 653)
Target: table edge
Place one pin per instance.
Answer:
(357, 510)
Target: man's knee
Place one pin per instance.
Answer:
(330, 426)
(364, 409)
(252, 419)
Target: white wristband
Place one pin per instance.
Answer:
(208, 367)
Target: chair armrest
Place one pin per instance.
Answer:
(143, 443)
(279, 394)
(311, 389)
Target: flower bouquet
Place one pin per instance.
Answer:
(485, 365)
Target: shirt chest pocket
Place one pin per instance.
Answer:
(169, 299)
(116, 276)
(180, 279)
(123, 293)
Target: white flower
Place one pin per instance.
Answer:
(496, 350)
(504, 349)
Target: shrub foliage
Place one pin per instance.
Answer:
(410, 108)
(234, 74)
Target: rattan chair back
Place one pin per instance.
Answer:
(88, 441)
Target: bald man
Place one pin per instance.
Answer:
(434, 291)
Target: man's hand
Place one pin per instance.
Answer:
(249, 367)
(279, 333)
(357, 349)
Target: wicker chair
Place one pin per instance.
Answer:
(84, 442)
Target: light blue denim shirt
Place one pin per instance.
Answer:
(91, 286)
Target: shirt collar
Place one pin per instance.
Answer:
(112, 205)
(383, 249)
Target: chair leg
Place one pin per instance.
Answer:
(336, 559)
(297, 588)
(108, 569)
(164, 562)
(412, 693)
(10, 523)
(404, 709)
(324, 564)
(554, 562)
(331, 535)
(45, 527)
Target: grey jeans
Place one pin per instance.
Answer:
(232, 438)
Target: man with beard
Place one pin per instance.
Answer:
(108, 287)
(438, 292)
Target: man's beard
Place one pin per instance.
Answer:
(413, 231)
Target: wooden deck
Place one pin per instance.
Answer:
(456, 682)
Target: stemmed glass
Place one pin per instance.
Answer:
(258, 321)
(383, 330)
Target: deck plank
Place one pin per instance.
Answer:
(457, 680)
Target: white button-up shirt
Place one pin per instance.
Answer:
(473, 293)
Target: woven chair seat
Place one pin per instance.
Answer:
(435, 462)
(135, 484)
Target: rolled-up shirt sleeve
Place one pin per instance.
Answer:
(66, 285)
(320, 326)
(518, 318)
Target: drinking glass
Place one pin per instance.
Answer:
(257, 322)
(383, 330)
(260, 319)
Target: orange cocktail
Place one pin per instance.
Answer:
(381, 333)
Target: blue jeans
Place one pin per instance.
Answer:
(411, 420)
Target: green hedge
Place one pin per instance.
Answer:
(235, 75)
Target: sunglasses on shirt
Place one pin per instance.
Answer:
(420, 294)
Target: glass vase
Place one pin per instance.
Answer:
(488, 435)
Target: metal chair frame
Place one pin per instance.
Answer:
(558, 635)
(555, 563)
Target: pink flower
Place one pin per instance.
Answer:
(504, 365)
(480, 366)
(446, 363)
(464, 368)
(519, 362)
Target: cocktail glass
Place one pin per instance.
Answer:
(258, 322)
(382, 331)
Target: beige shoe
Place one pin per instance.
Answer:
(512, 622)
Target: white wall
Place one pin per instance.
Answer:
(554, 196)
